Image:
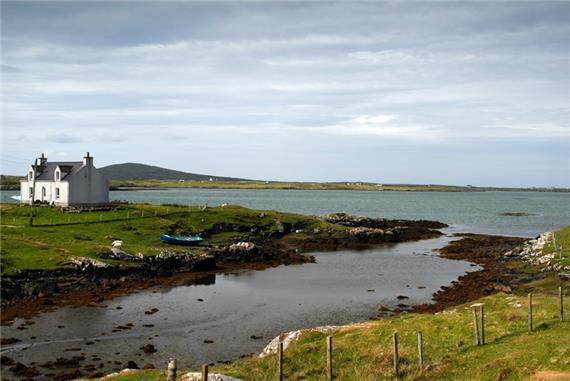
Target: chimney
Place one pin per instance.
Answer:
(88, 160)
(40, 161)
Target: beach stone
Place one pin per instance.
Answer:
(197, 376)
(289, 337)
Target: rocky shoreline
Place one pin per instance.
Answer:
(87, 280)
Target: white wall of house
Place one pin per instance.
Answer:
(85, 186)
(88, 186)
(51, 192)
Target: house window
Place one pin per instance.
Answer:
(31, 176)
(43, 192)
(57, 193)
(31, 192)
(57, 176)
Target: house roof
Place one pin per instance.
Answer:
(68, 169)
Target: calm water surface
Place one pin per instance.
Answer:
(335, 290)
(465, 211)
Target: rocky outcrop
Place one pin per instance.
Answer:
(290, 337)
(86, 272)
(369, 229)
(88, 264)
(374, 234)
(242, 252)
(532, 251)
(197, 376)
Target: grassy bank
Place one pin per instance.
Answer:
(288, 185)
(357, 186)
(364, 351)
(56, 236)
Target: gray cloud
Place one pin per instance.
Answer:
(300, 81)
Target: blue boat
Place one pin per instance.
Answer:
(181, 240)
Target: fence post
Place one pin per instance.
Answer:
(280, 361)
(420, 351)
(396, 355)
(482, 325)
(171, 372)
(561, 301)
(475, 324)
(330, 374)
(205, 372)
(530, 311)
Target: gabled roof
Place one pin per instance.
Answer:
(68, 169)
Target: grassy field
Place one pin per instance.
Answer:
(364, 351)
(287, 185)
(56, 236)
(357, 186)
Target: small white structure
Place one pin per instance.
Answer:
(69, 183)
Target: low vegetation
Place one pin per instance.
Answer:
(9, 182)
(364, 351)
(55, 235)
(357, 186)
(562, 250)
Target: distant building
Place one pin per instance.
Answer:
(65, 183)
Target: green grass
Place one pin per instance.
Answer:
(562, 237)
(363, 352)
(358, 186)
(56, 236)
(288, 185)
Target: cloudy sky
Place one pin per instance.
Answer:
(399, 92)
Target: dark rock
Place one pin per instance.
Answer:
(401, 297)
(151, 311)
(24, 371)
(132, 365)
(148, 348)
(8, 340)
(148, 366)
(5, 360)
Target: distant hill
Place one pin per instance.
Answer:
(135, 171)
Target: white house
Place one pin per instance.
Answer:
(65, 183)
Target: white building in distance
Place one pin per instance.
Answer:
(65, 183)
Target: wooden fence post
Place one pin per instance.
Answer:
(478, 330)
(420, 351)
(205, 372)
(482, 325)
(396, 355)
(330, 375)
(280, 361)
(475, 324)
(530, 311)
(561, 301)
(171, 372)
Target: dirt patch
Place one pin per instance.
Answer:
(550, 375)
